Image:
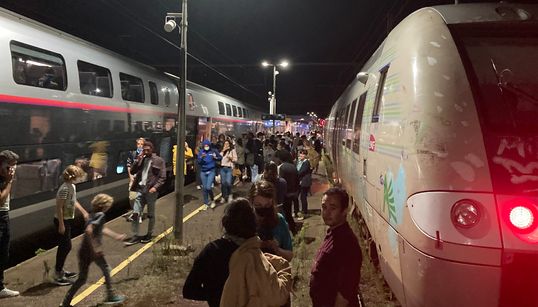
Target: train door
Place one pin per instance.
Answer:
(358, 156)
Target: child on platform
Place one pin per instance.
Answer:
(91, 250)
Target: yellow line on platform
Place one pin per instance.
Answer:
(131, 258)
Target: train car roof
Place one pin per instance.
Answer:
(487, 12)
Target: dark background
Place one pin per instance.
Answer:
(326, 41)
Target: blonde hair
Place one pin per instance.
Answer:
(102, 201)
(71, 172)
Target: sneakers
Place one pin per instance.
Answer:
(213, 205)
(132, 241)
(204, 208)
(198, 187)
(300, 216)
(70, 275)
(114, 299)
(146, 239)
(62, 281)
(8, 293)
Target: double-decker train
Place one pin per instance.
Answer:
(66, 101)
(441, 130)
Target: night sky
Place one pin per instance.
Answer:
(326, 41)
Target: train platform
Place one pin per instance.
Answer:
(141, 272)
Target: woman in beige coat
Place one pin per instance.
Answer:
(256, 279)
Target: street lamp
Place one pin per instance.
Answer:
(272, 95)
(169, 25)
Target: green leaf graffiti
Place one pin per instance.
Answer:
(388, 198)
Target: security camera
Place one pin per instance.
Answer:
(170, 25)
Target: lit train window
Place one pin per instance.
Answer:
(228, 109)
(221, 108)
(132, 88)
(379, 93)
(234, 111)
(94, 80)
(240, 111)
(37, 67)
(153, 93)
(35, 177)
(358, 123)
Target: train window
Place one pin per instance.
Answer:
(153, 93)
(132, 88)
(35, 177)
(94, 80)
(166, 96)
(379, 93)
(234, 111)
(37, 67)
(349, 124)
(228, 109)
(358, 123)
(240, 111)
(221, 108)
(245, 113)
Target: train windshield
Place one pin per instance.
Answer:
(502, 67)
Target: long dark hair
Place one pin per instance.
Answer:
(270, 173)
(239, 219)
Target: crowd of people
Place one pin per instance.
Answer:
(250, 264)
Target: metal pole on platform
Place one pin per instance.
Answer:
(181, 118)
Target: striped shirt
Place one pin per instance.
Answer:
(68, 192)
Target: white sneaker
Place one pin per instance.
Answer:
(213, 205)
(198, 187)
(8, 293)
(204, 208)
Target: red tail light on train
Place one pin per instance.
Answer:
(521, 215)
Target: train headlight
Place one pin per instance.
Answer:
(465, 213)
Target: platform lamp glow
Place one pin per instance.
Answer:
(179, 184)
(272, 95)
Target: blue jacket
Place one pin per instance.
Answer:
(206, 158)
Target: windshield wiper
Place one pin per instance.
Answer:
(512, 89)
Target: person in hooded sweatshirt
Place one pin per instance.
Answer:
(207, 158)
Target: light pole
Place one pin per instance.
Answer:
(179, 184)
(272, 95)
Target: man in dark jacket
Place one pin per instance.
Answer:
(150, 174)
(288, 172)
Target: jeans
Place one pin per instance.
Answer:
(4, 244)
(138, 208)
(226, 181)
(64, 243)
(207, 180)
(84, 262)
(304, 201)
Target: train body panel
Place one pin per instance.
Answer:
(66, 101)
(413, 146)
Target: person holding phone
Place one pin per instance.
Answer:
(8, 164)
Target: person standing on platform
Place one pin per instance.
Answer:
(229, 158)
(273, 229)
(255, 278)
(209, 272)
(150, 174)
(91, 250)
(335, 272)
(8, 164)
(207, 159)
(131, 156)
(240, 151)
(188, 155)
(305, 181)
(66, 204)
(288, 172)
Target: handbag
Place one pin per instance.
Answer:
(236, 172)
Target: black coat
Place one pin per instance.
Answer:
(289, 173)
(305, 175)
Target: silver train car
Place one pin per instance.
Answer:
(66, 101)
(437, 142)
